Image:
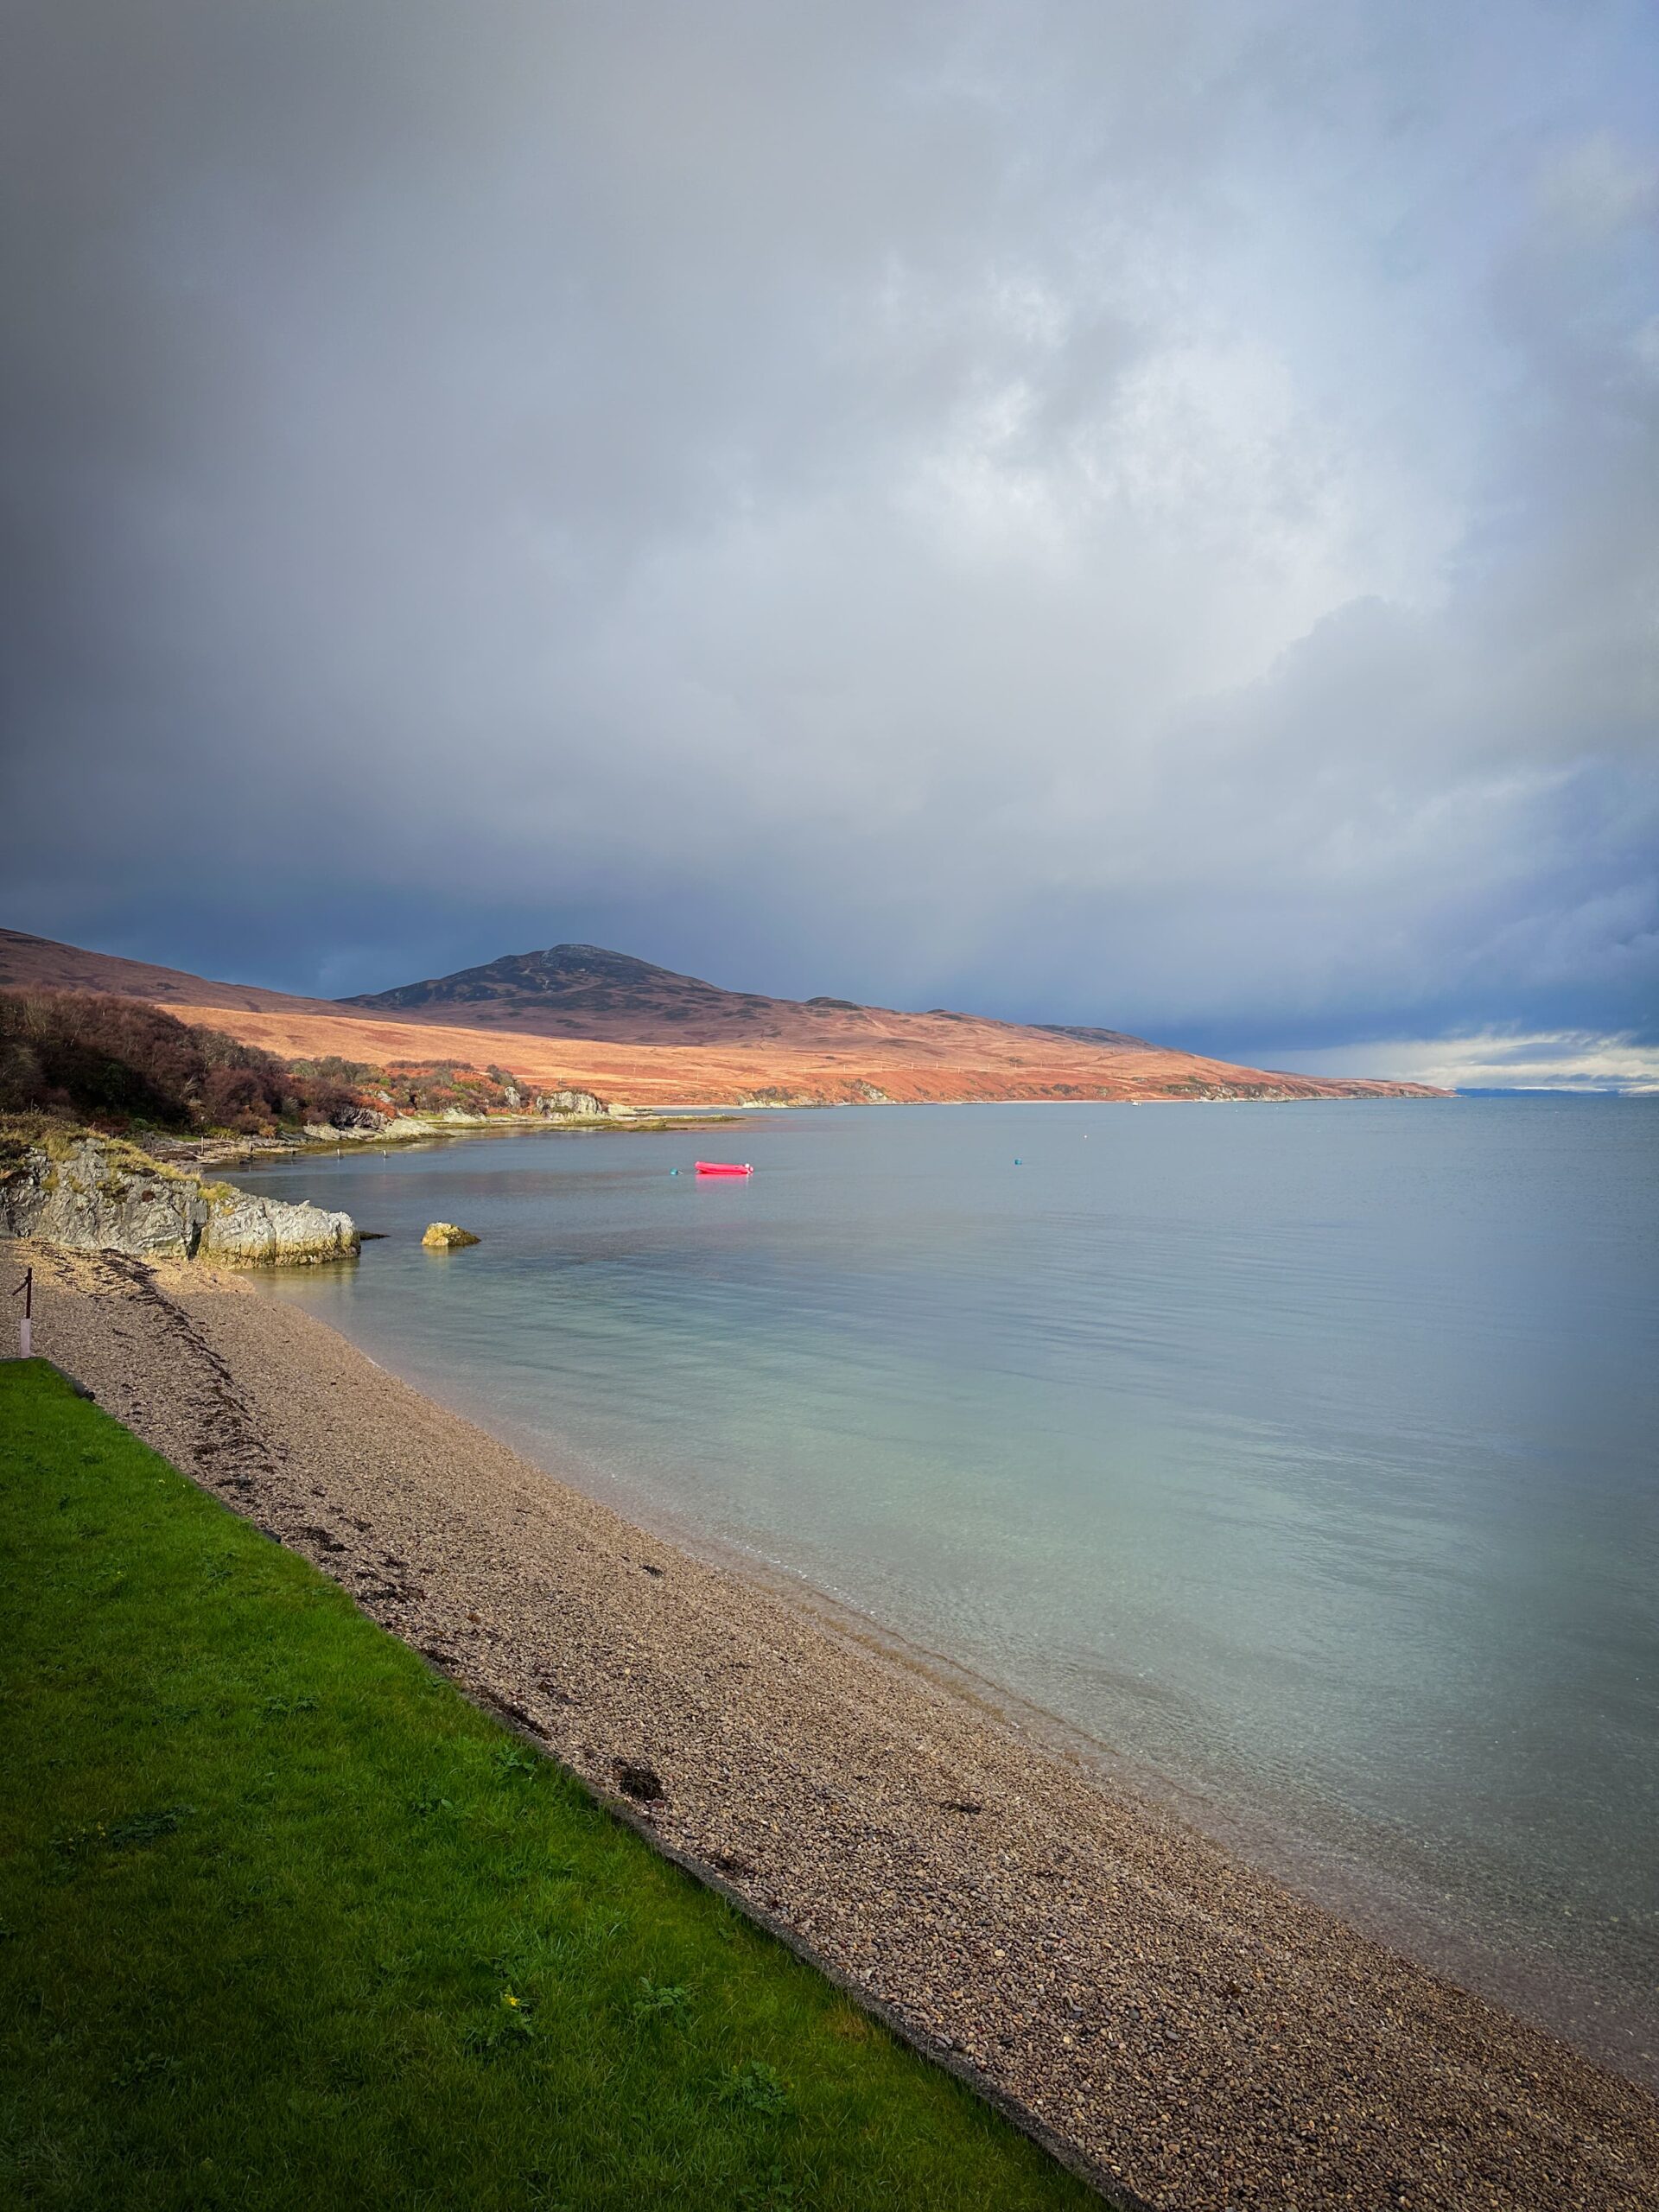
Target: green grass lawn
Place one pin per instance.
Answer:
(285, 1922)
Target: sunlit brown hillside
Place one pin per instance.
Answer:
(642, 1035)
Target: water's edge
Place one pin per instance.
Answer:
(1342, 1885)
(1294, 1479)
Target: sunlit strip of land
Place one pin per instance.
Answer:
(990, 1064)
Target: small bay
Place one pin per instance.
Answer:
(1302, 1457)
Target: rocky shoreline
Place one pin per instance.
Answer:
(202, 1152)
(1186, 2031)
(91, 1193)
(149, 1198)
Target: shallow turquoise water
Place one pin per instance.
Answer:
(1304, 1456)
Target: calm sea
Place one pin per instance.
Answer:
(1303, 1457)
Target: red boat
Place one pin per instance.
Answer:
(723, 1167)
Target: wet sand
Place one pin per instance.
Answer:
(1183, 2028)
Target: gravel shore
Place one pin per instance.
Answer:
(1189, 2031)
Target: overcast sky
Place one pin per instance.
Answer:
(1140, 513)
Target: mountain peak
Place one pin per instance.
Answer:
(575, 990)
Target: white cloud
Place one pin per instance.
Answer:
(1566, 1060)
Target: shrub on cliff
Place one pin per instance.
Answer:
(432, 1086)
(420, 1086)
(117, 1060)
(103, 1056)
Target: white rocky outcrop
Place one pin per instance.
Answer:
(97, 1194)
(242, 1231)
(567, 1101)
(359, 1125)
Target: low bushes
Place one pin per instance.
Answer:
(114, 1061)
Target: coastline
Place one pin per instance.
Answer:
(1188, 2029)
(651, 1121)
(248, 1151)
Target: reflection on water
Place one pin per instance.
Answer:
(1302, 1455)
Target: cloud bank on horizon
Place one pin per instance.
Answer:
(1097, 512)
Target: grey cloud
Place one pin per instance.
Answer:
(1130, 513)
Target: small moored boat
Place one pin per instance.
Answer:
(724, 1167)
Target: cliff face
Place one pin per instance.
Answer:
(96, 1194)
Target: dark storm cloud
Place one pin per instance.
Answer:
(1124, 512)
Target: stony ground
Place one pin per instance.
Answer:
(1192, 2034)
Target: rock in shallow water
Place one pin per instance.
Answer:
(444, 1237)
